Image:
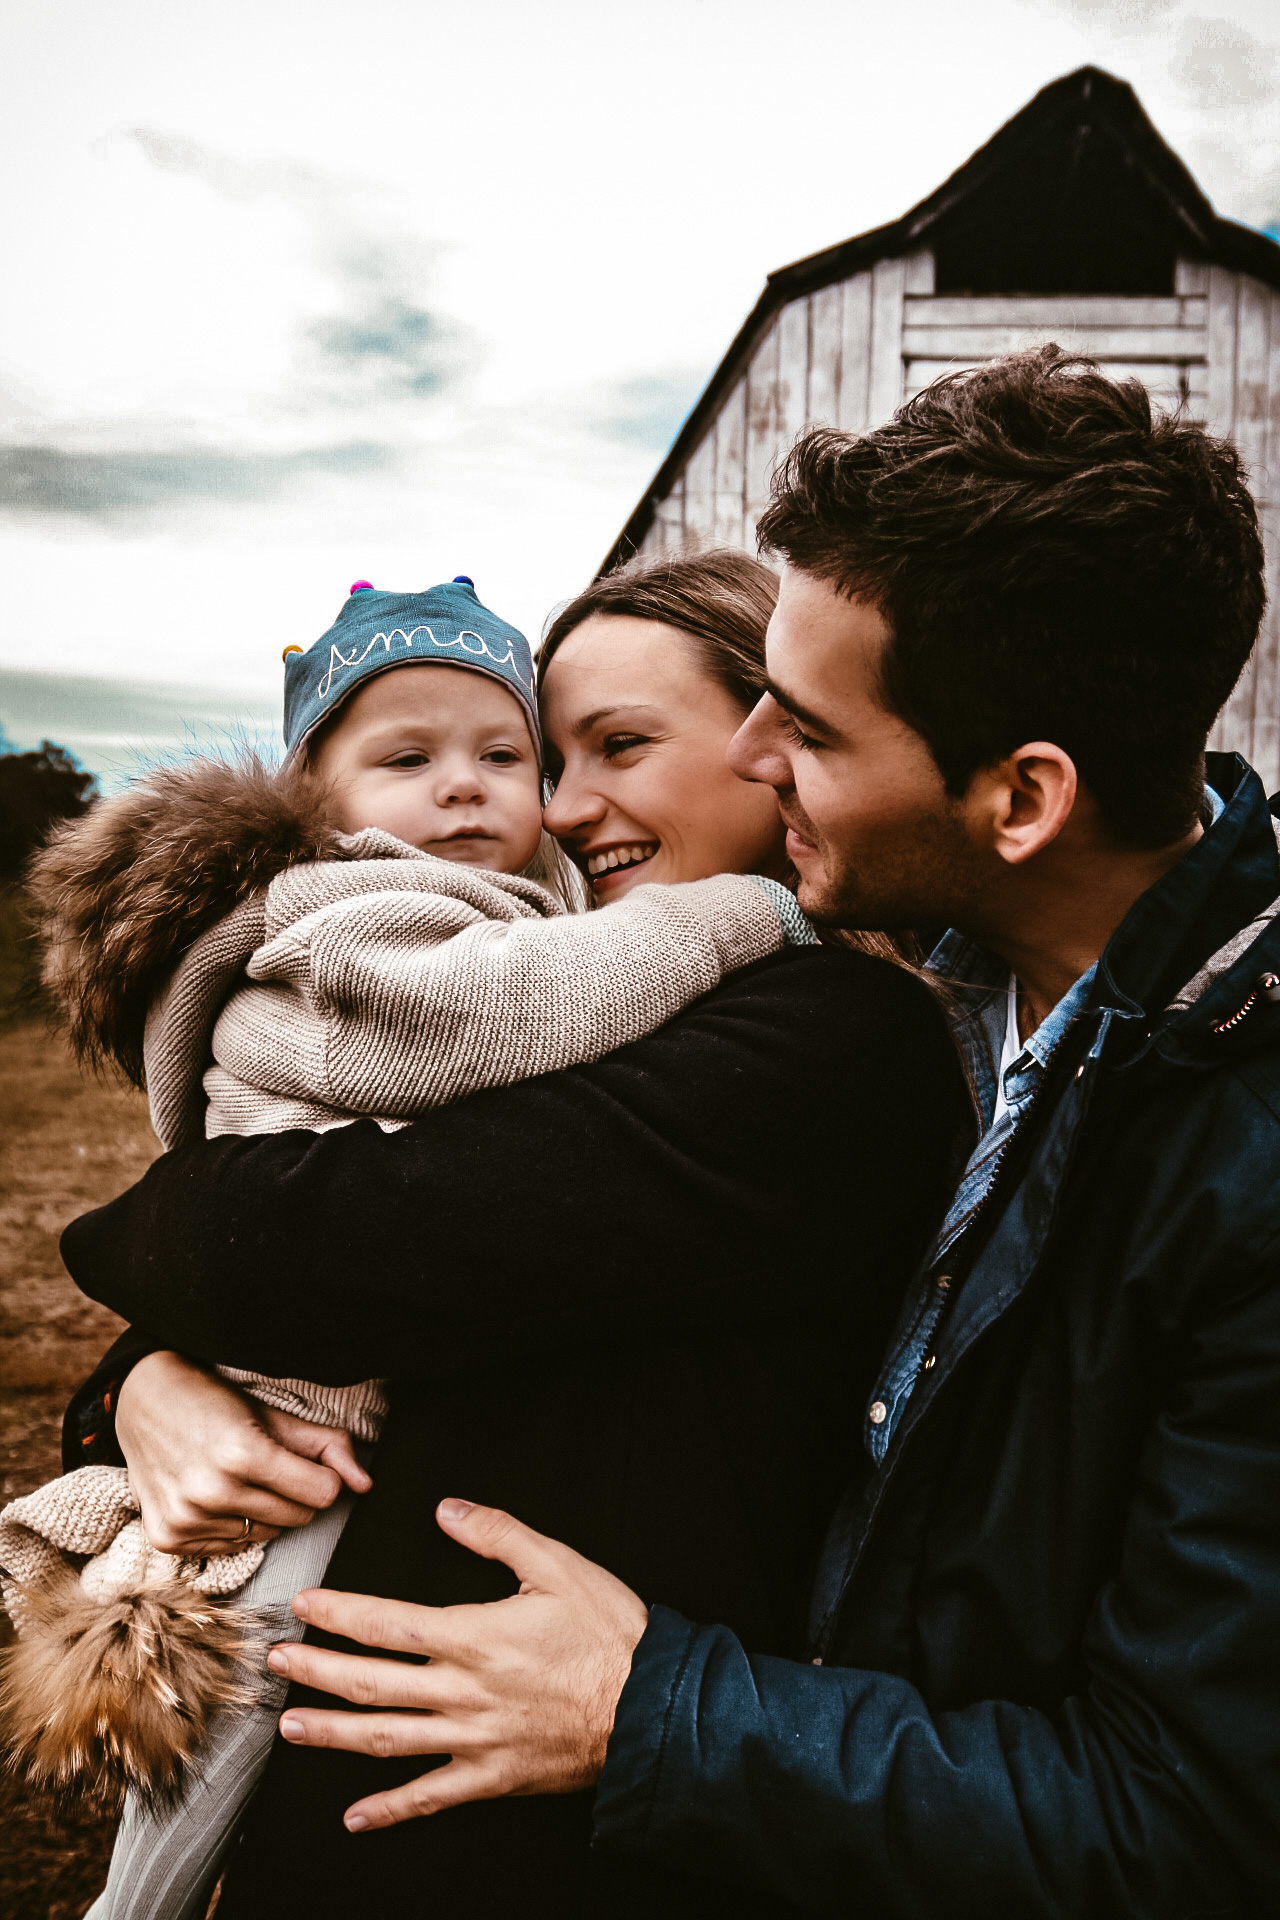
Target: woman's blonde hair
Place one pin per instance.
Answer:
(722, 601)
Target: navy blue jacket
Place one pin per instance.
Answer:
(1045, 1673)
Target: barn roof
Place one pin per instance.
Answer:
(1076, 194)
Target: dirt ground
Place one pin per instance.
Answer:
(67, 1143)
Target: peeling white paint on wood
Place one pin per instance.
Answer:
(730, 476)
(855, 366)
(1044, 312)
(888, 282)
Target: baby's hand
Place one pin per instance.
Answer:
(328, 1445)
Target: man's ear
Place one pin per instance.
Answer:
(1023, 802)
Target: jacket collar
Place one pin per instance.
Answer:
(1230, 876)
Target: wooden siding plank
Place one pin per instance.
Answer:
(1222, 349)
(1265, 744)
(666, 535)
(1237, 715)
(1154, 374)
(1047, 310)
(793, 372)
(1266, 696)
(1191, 276)
(855, 354)
(919, 277)
(1225, 290)
(1253, 317)
(731, 468)
(699, 496)
(762, 425)
(1100, 343)
(1271, 465)
(884, 386)
(826, 313)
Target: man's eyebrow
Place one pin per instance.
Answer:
(791, 705)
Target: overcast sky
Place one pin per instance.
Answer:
(300, 293)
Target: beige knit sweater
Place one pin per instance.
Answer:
(389, 982)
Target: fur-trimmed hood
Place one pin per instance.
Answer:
(123, 893)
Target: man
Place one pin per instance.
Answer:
(1042, 1677)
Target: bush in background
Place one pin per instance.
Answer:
(37, 790)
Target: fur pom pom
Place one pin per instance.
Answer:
(97, 1696)
(123, 893)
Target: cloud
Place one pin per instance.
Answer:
(49, 479)
(377, 344)
(381, 340)
(1122, 13)
(1222, 64)
(399, 346)
(649, 409)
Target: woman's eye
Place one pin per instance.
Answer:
(616, 743)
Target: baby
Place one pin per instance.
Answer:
(379, 929)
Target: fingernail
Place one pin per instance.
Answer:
(454, 1509)
(302, 1606)
(292, 1729)
(278, 1660)
(355, 1823)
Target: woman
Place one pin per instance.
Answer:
(640, 1303)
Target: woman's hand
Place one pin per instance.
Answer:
(520, 1693)
(203, 1459)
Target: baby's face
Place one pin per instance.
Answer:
(442, 758)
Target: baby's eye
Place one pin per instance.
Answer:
(502, 757)
(409, 758)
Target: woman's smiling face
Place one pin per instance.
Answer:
(636, 732)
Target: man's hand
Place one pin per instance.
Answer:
(521, 1692)
(203, 1459)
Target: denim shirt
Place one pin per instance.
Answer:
(978, 985)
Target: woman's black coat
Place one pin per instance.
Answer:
(638, 1304)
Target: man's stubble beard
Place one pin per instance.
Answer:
(911, 876)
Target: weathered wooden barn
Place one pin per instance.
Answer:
(1075, 223)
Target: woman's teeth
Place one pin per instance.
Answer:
(620, 857)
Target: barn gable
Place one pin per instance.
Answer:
(1075, 222)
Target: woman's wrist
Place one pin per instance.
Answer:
(151, 1375)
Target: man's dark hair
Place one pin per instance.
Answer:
(1054, 563)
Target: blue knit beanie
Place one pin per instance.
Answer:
(376, 631)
